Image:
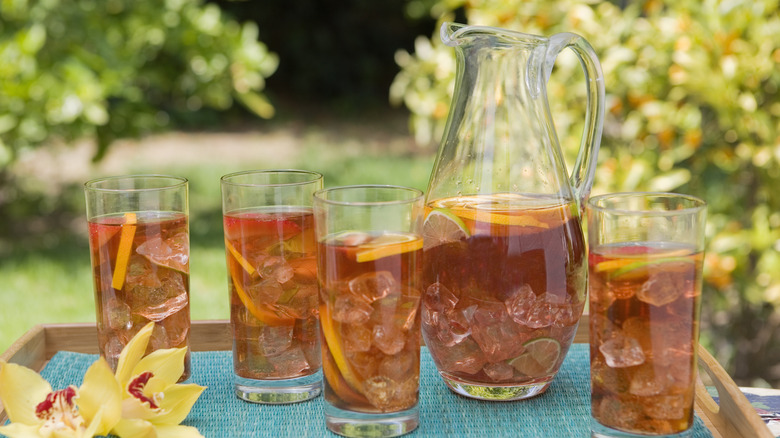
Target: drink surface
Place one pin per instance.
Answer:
(370, 321)
(140, 265)
(504, 287)
(644, 308)
(271, 259)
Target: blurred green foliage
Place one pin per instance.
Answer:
(692, 106)
(71, 69)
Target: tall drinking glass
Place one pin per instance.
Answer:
(272, 277)
(370, 260)
(139, 243)
(645, 263)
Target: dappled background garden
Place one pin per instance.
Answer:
(360, 91)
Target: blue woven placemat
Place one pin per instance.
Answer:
(563, 411)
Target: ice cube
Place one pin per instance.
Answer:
(388, 395)
(388, 339)
(438, 298)
(275, 339)
(373, 286)
(118, 314)
(499, 371)
(465, 357)
(140, 272)
(365, 363)
(290, 363)
(622, 351)
(265, 291)
(157, 303)
(350, 309)
(615, 380)
(171, 252)
(305, 301)
(407, 308)
(617, 413)
(498, 336)
(646, 380)
(357, 337)
(172, 331)
(111, 351)
(664, 407)
(520, 304)
(450, 331)
(398, 367)
(663, 287)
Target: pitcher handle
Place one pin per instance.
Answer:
(581, 178)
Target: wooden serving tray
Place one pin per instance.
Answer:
(732, 417)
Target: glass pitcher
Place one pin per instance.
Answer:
(505, 259)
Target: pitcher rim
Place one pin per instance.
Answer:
(455, 34)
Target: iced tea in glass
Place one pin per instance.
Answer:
(272, 278)
(139, 243)
(370, 259)
(645, 266)
(504, 289)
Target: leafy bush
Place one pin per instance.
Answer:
(120, 68)
(692, 106)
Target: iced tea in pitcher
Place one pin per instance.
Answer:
(504, 288)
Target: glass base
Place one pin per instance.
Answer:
(279, 391)
(598, 430)
(505, 392)
(359, 424)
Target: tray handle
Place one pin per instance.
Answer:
(733, 415)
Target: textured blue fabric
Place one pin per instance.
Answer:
(563, 411)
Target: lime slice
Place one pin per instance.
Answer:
(387, 245)
(539, 358)
(625, 272)
(441, 226)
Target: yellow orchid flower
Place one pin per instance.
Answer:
(153, 404)
(35, 410)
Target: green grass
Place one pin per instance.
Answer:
(45, 274)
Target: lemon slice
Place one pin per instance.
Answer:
(486, 215)
(331, 338)
(539, 358)
(123, 253)
(626, 271)
(387, 245)
(441, 226)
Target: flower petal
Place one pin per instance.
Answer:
(21, 389)
(166, 364)
(178, 432)
(177, 403)
(136, 409)
(132, 353)
(133, 428)
(100, 391)
(19, 430)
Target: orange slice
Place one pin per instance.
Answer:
(334, 346)
(338, 384)
(262, 312)
(387, 245)
(123, 253)
(239, 258)
(499, 218)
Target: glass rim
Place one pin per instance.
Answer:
(418, 194)
(176, 182)
(226, 179)
(697, 204)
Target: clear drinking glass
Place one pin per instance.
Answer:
(272, 266)
(370, 258)
(139, 245)
(645, 264)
